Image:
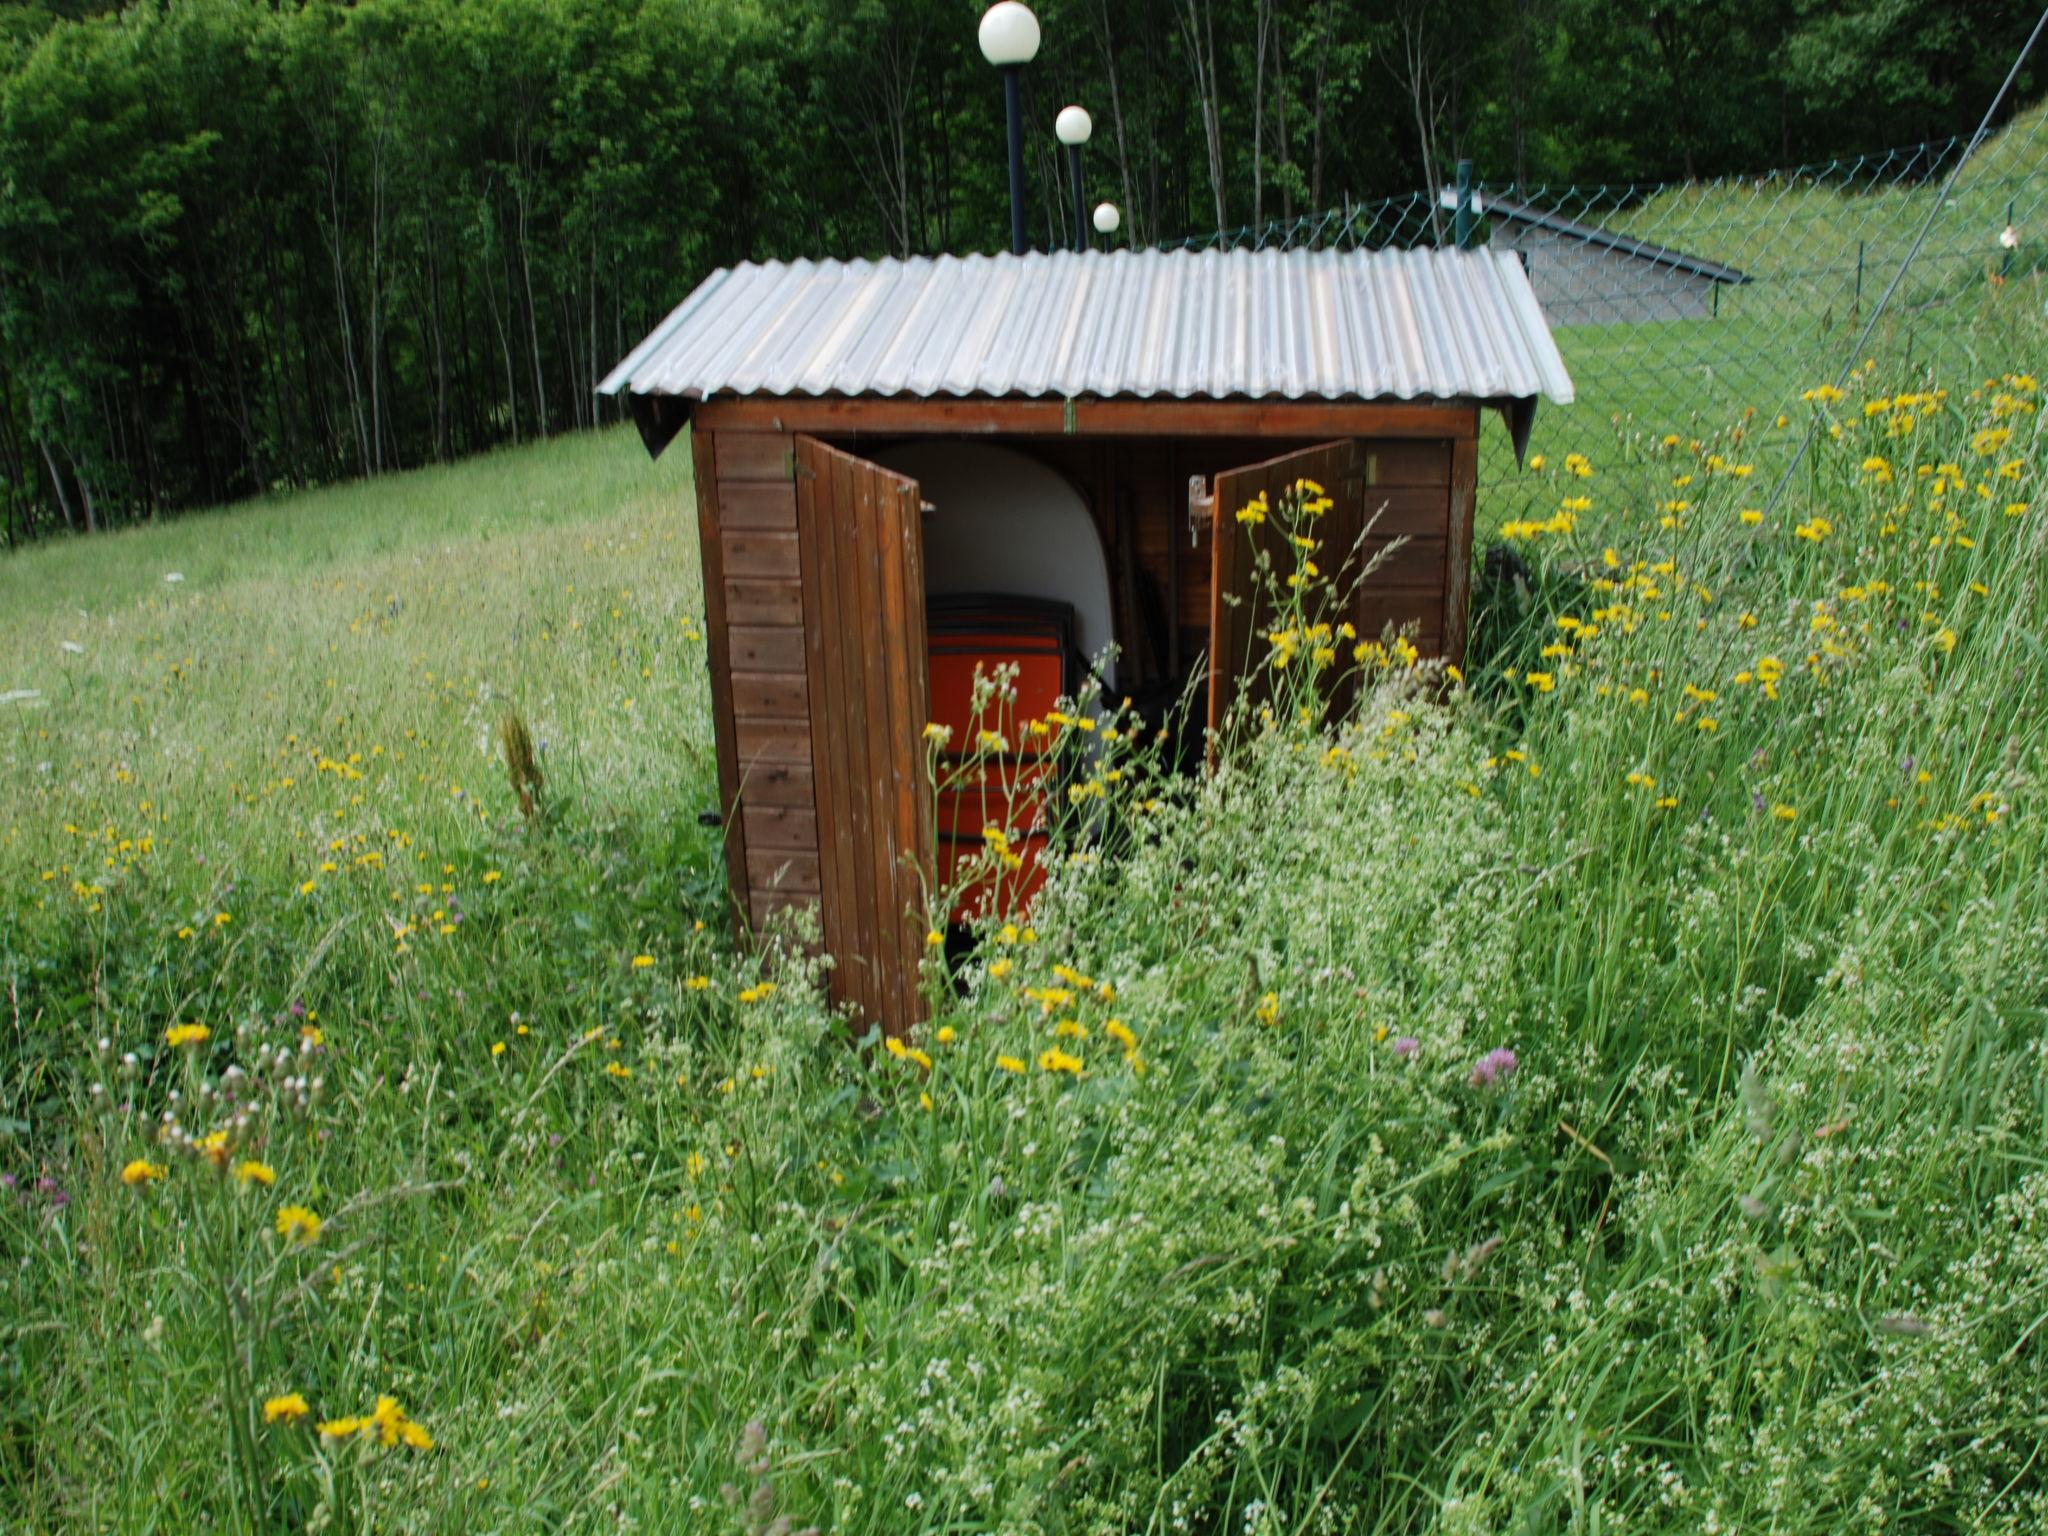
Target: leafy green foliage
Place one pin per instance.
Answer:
(249, 247)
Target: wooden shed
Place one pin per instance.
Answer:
(1065, 434)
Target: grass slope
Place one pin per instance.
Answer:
(1607, 1094)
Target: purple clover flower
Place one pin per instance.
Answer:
(1407, 1047)
(1495, 1067)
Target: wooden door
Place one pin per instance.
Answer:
(1239, 606)
(860, 547)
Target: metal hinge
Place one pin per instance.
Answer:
(1201, 509)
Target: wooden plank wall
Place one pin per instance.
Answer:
(760, 692)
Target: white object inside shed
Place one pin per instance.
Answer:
(1002, 522)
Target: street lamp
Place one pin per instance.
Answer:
(1107, 220)
(1072, 128)
(1009, 40)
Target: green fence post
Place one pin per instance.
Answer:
(1463, 221)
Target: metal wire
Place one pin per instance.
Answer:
(1689, 306)
(1920, 240)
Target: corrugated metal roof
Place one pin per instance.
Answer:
(1290, 325)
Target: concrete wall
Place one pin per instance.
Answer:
(1579, 283)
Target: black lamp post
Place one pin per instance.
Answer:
(1072, 128)
(1009, 40)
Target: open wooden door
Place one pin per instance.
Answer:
(1238, 604)
(861, 551)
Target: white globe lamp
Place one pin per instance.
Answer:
(1009, 40)
(1009, 34)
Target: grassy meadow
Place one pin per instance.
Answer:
(1604, 1092)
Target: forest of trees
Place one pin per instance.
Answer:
(247, 244)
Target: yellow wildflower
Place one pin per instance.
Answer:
(288, 1409)
(391, 1425)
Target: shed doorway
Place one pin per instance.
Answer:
(1016, 583)
(1002, 524)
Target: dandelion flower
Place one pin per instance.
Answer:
(142, 1171)
(299, 1224)
(642, 962)
(392, 1426)
(697, 984)
(1057, 1060)
(336, 1430)
(250, 1171)
(288, 1409)
(1011, 1064)
(187, 1034)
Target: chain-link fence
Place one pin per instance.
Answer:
(1680, 305)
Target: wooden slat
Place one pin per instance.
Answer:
(1413, 565)
(778, 603)
(1422, 510)
(768, 505)
(1301, 420)
(747, 455)
(780, 784)
(763, 907)
(1458, 554)
(787, 827)
(751, 555)
(770, 696)
(907, 668)
(1377, 610)
(718, 655)
(757, 648)
(772, 741)
(1415, 463)
(776, 869)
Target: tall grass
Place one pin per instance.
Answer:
(1604, 1093)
